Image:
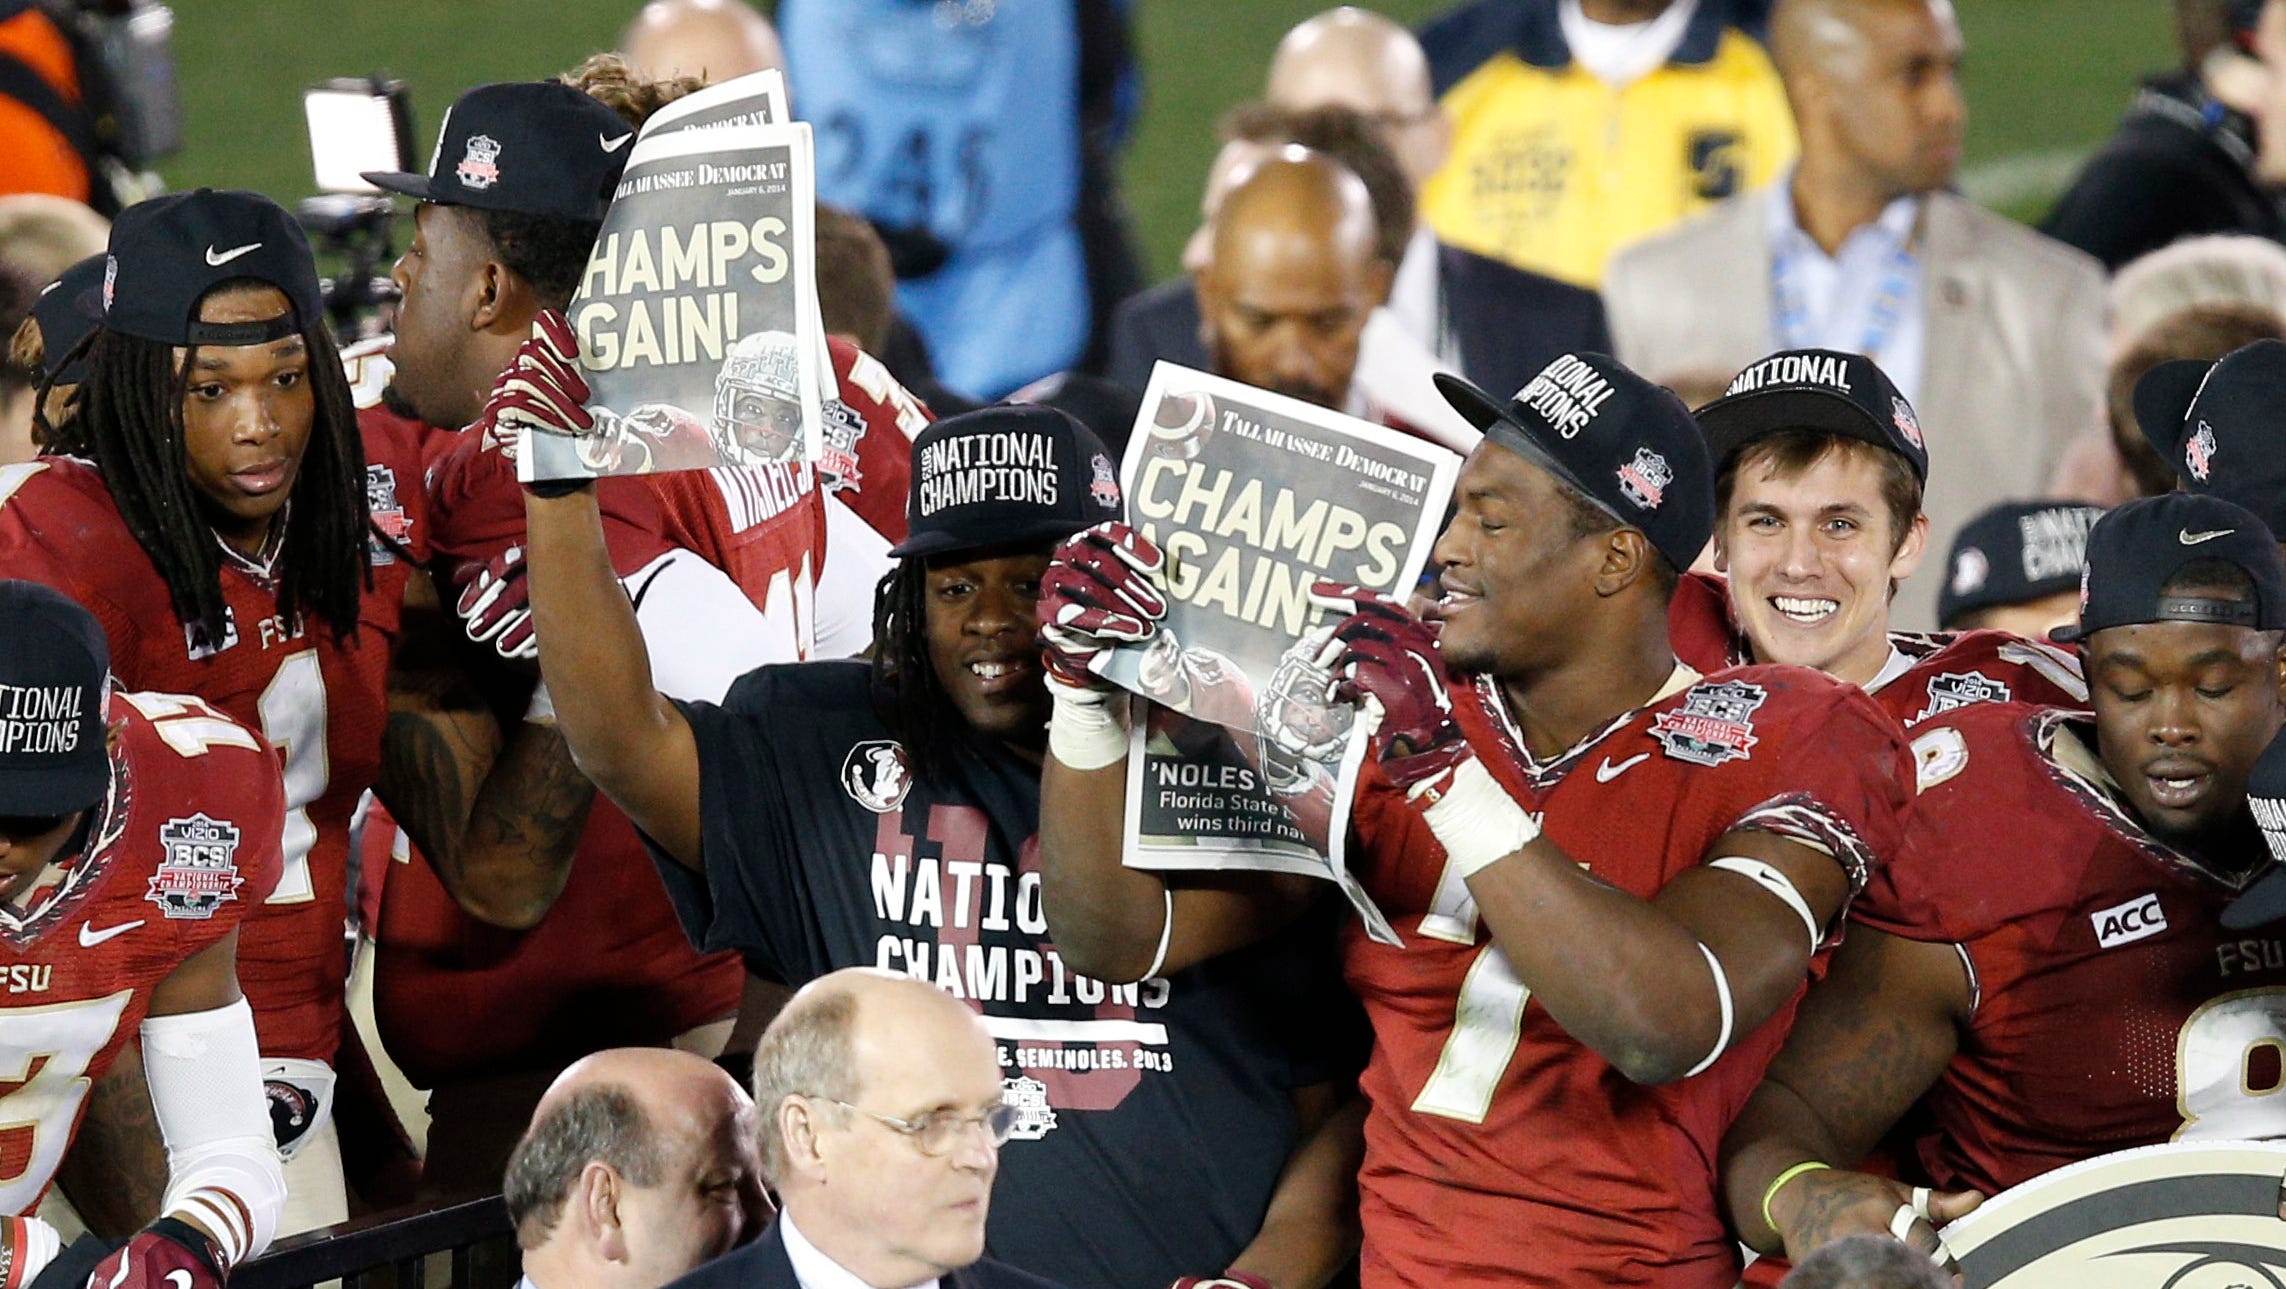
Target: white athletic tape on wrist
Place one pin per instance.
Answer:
(1477, 822)
(1722, 997)
(1769, 878)
(1166, 937)
(1084, 730)
(542, 709)
(205, 1074)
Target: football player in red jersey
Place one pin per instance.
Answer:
(136, 831)
(2044, 965)
(1610, 875)
(212, 505)
(1819, 466)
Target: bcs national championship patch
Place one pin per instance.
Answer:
(1645, 479)
(1715, 723)
(199, 872)
(391, 528)
(876, 775)
(1953, 690)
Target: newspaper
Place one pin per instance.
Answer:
(697, 316)
(1253, 496)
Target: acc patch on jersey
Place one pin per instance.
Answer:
(876, 775)
(2186, 1215)
(1714, 725)
(199, 872)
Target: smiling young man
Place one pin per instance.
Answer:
(885, 814)
(1611, 875)
(1819, 469)
(1970, 985)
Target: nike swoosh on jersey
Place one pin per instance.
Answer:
(614, 145)
(220, 258)
(1606, 772)
(89, 937)
(2189, 538)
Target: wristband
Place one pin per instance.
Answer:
(1770, 1192)
(1771, 879)
(1722, 1000)
(553, 488)
(1477, 822)
(197, 1243)
(1083, 731)
(1166, 937)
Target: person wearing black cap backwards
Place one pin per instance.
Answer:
(2221, 426)
(1551, 1043)
(2044, 966)
(137, 831)
(2016, 568)
(1819, 467)
(66, 310)
(883, 813)
(211, 502)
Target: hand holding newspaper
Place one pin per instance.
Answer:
(697, 320)
(1241, 759)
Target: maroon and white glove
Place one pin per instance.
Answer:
(167, 1254)
(1386, 660)
(542, 389)
(1100, 593)
(495, 606)
(1227, 1280)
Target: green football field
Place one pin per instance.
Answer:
(2046, 79)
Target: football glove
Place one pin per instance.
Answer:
(1100, 593)
(495, 607)
(1386, 660)
(168, 1254)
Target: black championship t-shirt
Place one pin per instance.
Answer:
(1155, 1116)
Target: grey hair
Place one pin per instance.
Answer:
(1866, 1262)
(2229, 268)
(603, 1124)
(807, 1051)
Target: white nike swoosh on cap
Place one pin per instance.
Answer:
(614, 145)
(2189, 538)
(220, 258)
(89, 937)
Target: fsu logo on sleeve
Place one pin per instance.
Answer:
(198, 873)
(876, 776)
(1714, 725)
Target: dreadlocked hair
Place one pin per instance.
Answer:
(129, 422)
(906, 693)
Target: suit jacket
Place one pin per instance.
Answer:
(2014, 366)
(763, 1264)
(1510, 323)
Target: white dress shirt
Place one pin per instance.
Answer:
(814, 1270)
(1838, 299)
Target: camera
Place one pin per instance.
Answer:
(355, 125)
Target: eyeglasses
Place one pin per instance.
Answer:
(937, 1132)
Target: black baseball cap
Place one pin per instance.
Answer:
(2016, 552)
(2135, 548)
(1006, 474)
(530, 147)
(1627, 444)
(2221, 426)
(1826, 390)
(168, 252)
(55, 672)
(68, 310)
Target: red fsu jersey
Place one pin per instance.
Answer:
(320, 701)
(2111, 1007)
(1499, 1150)
(182, 846)
(1928, 673)
(607, 967)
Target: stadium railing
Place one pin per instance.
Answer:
(402, 1241)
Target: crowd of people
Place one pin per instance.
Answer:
(1831, 774)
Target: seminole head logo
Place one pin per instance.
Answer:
(876, 775)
